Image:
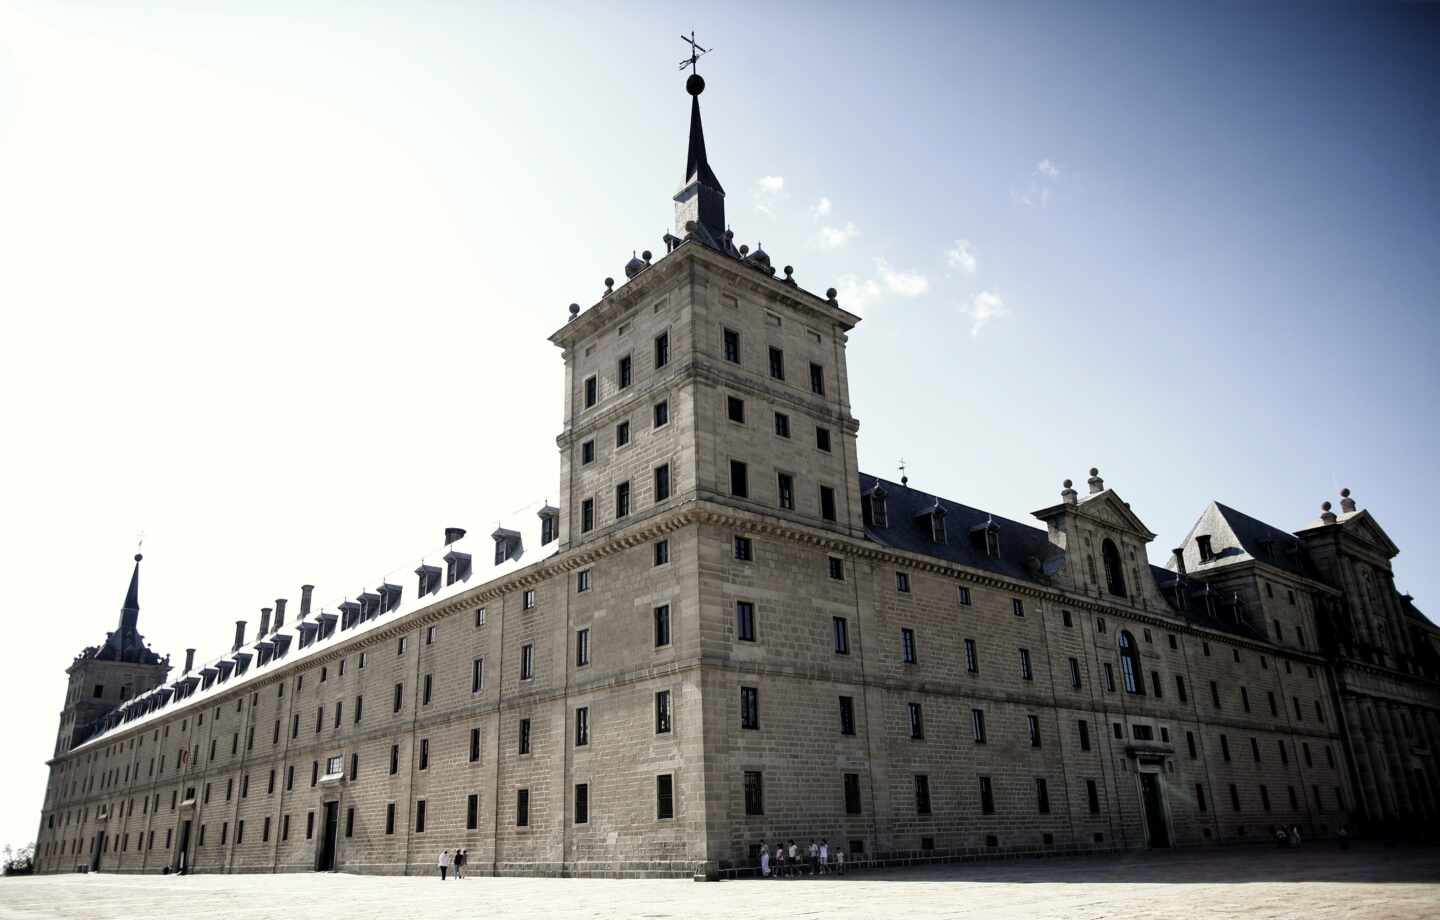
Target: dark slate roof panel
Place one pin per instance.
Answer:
(1287, 552)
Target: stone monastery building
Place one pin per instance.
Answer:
(727, 633)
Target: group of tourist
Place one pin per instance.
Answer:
(457, 861)
(1285, 838)
(790, 861)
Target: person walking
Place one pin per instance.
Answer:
(824, 856)
(764, 860)
(460, 863)
(1294, 835)
(839, 861)
(780, 859)
(444, 863)
(794, 858)
(812, 853)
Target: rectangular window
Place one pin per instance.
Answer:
(847, 715)
(582, 726)
(827, 503)
(527, 661)
(523, 736)
(817, 379)
(1075, 673)
(665, 796)
(582, 647)
(1225, 748)
(661, 413)
(477, 675)
(822, 438)
(587, 452)
(662, 712)
(426, 693)
(972, 660)
(987, 796)
(662, 552)
(754, 793)
(1245, 699)
(964, 596)
(1017, 606)
(662, 625)
(591, 392)
(622, 434)
(582, 581)
(1026, 671)
(1109, 677)
(749, 707)
(1215, 694)
(907, 645)
(622, 500)
(732, 346)
(922, 794)
(1042, 796)
(1190, 744)
(744, 549)
(1180, 687)
(841, 628)
(777, 363)
(662, 350)
(582, 803)
(917, 721)
(739, 479)
(424, 754)
(472, 812)
(587, 515)
(1065, 619)
(662, 482)
(852, 793)
(902, 582)
(522, 807)
(837, 568)
(1032, 728)
(735, 409)
(745, 621)
(782, 424)
(785, 488)
(1084, 727)
(624, 372)
(977, 725)
(474, 745)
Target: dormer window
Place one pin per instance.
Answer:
(327, 625)
(349, 614)
(934, 519)
(549, 525)
(507, 545)
(1203, 543)
(369, 606)
(877, 513)
(457, 567)
(988, 536)
(389, 597)
(429, 577)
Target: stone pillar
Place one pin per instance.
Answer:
(1399, 753)
(1370, 803)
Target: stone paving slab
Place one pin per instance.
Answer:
(1367, 882)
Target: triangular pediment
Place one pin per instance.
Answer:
(1109, 509)
(1363, 526)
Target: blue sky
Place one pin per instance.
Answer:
(282, 274)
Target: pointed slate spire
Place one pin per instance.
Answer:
(701, 201)
(130, 613)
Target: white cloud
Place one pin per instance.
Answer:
(1047, 168)
(769, 192)
(834, 237)
(963, 257)
(820, 208)
(906, 284)
(984, 307)
(855, 295)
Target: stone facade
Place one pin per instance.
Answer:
(718, 663)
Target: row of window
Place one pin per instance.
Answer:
(625, 370)
(776, 364)
(660, 491)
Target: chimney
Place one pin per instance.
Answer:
(305, 591)
(1097, 485)
(1067, 494)
(1347, 504)
(279, 613)
(264, 623)
(189, 660)
(453, 533)
(239, 635)
(1179, 553)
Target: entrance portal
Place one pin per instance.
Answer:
(1153, 795)
(96, 850)
(182, 853)
(325, 861)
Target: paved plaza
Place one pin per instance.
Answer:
(1316, 882)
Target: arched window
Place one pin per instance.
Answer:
(1114, 573)
(1130, 664)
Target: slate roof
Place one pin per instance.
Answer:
(1196, 610)
(1025, 551)
(1284, 551)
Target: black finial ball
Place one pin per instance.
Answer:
(1324, 506)
(1069, 484)
(789, 271)
(609, 283)
(1344, 493)
(1094, 471)
(646, 255)
(574, 309)
(695, 84)
(138, 557)
(830, 293)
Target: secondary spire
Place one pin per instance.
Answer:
(700, 203)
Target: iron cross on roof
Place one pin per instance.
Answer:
(695, 52)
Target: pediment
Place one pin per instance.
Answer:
(1110, 510)
(1363, 526)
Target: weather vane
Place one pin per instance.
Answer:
(904, 480)
(696, 52)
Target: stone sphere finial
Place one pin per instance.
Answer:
(138, 557)
(830, 293)
(609, 283)
(1094, 471)
(1324, 506)
(744, 248)
(646, 256)
(694, 84)
(789, 270)
(574, 310)
(1069, 484)
(1344, 493)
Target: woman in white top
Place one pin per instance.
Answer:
(764, 861)
(444, 863)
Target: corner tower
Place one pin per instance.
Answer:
(106, 675)
(706, 377)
